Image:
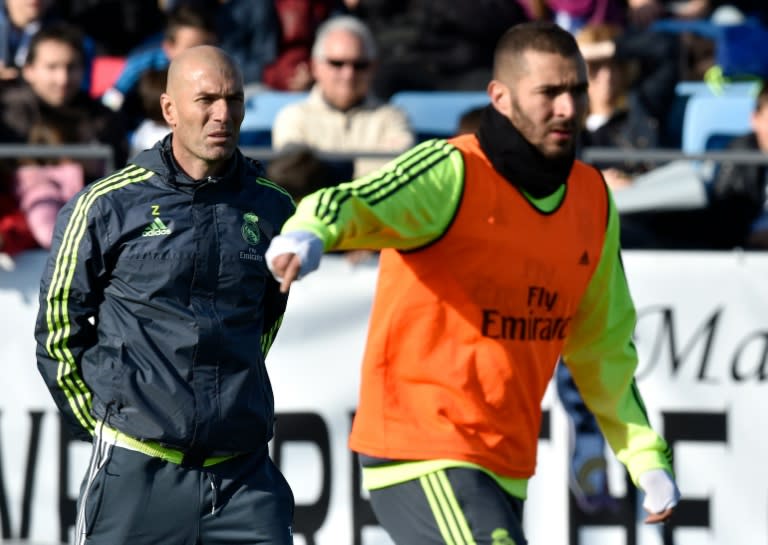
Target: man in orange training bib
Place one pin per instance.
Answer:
(500, 253)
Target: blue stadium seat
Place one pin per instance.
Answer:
(711, 121)
(436, 113)
(684, 90)
(734, 88)
(260, 111)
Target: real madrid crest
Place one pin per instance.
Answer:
(250, 228)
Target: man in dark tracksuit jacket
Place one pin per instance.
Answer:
(156, 313)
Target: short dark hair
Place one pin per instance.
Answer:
(151, 85)
(761, 101)
(190, 15)
(57, 32)
(299, 171)
(542, 36)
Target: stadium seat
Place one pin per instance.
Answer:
(105, 70)
(711, 121)
(260, 111)
(436, 113)
(684, 90)
(735, 88)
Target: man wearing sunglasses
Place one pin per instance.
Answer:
(340, 115)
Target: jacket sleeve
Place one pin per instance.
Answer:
(274, 310)
(404, 205)
(602, 358)
(71, 288)
(275, 302)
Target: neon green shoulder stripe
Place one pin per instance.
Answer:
(406, 204)
(381, 184)
(273, 185)
(268, 337)
(57, 298)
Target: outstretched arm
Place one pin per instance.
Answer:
(404, 205)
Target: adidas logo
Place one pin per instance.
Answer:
(156, 229)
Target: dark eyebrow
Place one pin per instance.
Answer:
(238, 95)
(577, 88)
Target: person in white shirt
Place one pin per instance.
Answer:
(340, 114)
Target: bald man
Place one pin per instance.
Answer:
(157, 311)
(500, 253)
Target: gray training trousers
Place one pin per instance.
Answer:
(454, 506)
(128, 497)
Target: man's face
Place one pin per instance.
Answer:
(546, 101)
(186, 37)
(605, 83)
(23, 12)
(760, 126)
(344, 72)
(205, 113)
(56, 73)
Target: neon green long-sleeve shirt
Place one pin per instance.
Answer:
(411, 202)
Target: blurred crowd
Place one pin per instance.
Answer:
(85, 72)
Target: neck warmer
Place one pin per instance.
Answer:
(518, 160)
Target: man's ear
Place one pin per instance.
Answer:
(499, 94)
(169, 109)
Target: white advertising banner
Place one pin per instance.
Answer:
(702, 336)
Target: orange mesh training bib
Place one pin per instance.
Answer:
(465, 333)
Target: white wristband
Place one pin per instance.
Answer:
(661, 492)
(307, 246)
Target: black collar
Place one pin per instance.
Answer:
(181, 178)
(518, 160)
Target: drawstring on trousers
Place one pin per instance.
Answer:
(215, 483)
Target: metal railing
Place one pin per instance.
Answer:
(70, 151)
(102, 151)
(616, 154)
(592, 154)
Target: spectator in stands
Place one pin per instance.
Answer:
(154, 126)
(19, 21)
(300, 171)
(248, 30)
(470, 120)
(50, 92)
(572, 16)
(15, 235)
(433, 44)
(187, 26)
(299, 20)
(340, 115)
(642, 13)
(738, 193)
(632, 79)
(116, 26)
(44, 185)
